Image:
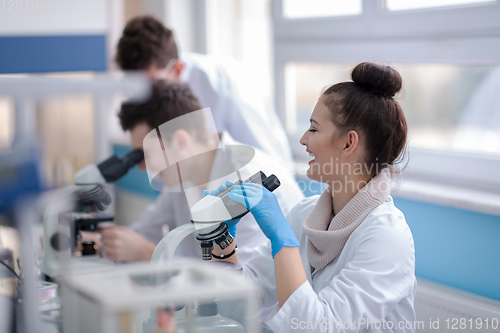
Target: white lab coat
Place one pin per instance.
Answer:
(236, 101)
(171, 209)
(372, 278)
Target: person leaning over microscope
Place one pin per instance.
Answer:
(233, 93)
(170, 100)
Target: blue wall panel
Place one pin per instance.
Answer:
(38, 54)
(455, 247)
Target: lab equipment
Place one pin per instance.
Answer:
(208, 216)
(6, 264)
(209, 320)
(144, 298)
(63, 223)
(89, 248)
(47, 296)
(21, 181)
(109, 170)
(220, 208)
(231, 224)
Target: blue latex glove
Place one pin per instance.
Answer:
(231, 224)
(267, 212)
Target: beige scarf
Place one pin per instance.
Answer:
(327, 234)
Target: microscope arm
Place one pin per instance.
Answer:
(208, 215)
(167, 246)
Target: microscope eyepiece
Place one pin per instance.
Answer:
(114, 168)
(271, 183)
(132, 158)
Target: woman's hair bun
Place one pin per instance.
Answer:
(379, 79)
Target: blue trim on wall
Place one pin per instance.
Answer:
(455, 247)
(135, 180)
(38, 54)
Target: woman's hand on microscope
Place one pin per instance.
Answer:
(266, 210)
(231, 224)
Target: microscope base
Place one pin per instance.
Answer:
(76, 265)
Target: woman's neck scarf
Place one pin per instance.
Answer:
(327, 234)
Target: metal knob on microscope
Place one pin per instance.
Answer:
(206, 250)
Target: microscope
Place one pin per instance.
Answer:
(81, 208)
(207, 219)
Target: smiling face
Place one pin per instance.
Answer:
(325, 144)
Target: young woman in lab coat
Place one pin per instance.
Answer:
(342, 261)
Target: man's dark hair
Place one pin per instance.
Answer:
(145, 41)
(168, 100)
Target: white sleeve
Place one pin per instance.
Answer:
(157, 214)
(380, 274)
(260, 268)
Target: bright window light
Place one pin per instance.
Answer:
(293, 9)
(448, 107)
(397, 5)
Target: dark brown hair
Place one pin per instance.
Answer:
(367, 105)
(145, 41)
(168, 100)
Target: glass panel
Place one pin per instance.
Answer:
(6, 122)
(396, 5)
(448, 107)
(293, 9)
(65, 127)
(66, 131)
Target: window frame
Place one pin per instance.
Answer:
(464, 34)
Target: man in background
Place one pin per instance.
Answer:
(219, 83)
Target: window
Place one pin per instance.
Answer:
(448, 107)
(449, 59)
(395, 5)
(294, 9)
(6, 123)
(65, 130)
